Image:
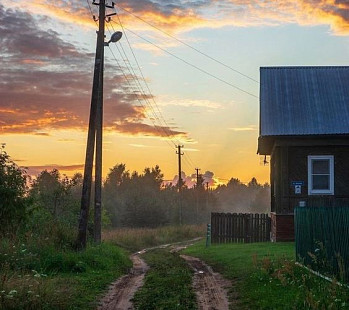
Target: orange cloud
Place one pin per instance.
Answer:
(174, 16)
(35, 170)
(36, 99)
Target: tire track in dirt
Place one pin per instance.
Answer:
(121, 292)
(210, 287)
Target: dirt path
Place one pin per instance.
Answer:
(122, 291)
(210, 287)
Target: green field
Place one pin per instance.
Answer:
(267, 278)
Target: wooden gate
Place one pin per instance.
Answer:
(239, 227)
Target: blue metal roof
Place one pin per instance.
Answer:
(304, 101)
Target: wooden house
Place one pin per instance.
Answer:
(304, 127)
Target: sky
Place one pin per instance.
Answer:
(160, 88)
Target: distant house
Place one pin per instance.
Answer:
(304, 127)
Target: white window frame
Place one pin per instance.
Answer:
(312, 191)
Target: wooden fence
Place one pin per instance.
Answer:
(242, 227)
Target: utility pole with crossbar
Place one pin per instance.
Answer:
(94, 136)
(180, 181)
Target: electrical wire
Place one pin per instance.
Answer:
(190, 160)
(140, 70)
(186, 44)
(144, 96)
(130, 85)
(190, 64)
(141, 90)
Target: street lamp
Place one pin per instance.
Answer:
(115, 37)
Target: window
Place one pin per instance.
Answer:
(321, 175)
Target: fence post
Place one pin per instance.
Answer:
(208, 235)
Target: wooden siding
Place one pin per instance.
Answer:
(289, 164)
(282, 227)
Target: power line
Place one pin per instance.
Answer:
(190, 64)
(190, 160)
(140, 70)
(141, 91)
(186, 44)
(144, 96)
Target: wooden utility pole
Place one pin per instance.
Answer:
(207, 188)
(197, 194)
(197, 177)
(96, 103)
(97, 231)
(180, 181)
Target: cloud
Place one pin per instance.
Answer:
(180, 16)
(190, 150)
(45, 84)
(191, 103)
(249, 128)
(35, 170)
(139, 145)
(190, 180)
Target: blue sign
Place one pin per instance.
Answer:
(294, 183)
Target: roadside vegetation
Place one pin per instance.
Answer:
(135, 239)
(267, 277)
(33, 276)
(167, 283)
(39, 265)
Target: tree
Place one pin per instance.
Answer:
(144, 205)
(14, 201)
(60, 196)
(135, 200)
(49, 191)
(114, 192)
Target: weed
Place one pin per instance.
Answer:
(167, 284)
(139, 238)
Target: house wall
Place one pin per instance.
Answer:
(289, 163)
(282, 227)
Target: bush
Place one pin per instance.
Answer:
(14, 203)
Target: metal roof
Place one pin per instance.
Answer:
(304, 101)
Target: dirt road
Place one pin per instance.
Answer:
(210, 287)
(122, 291)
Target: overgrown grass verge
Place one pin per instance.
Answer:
(48, 278)
(267, 277)
(167, 283)
(135, 239)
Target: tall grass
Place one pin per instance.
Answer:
(135, 239)
(43, 271)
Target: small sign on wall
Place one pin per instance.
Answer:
(298, 187)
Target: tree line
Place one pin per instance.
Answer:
(130, 199)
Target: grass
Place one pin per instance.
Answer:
(167, 284)
(40, 270)
(267, 277)
(48, 278)
(140, 238)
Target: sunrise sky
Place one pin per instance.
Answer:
(47, 57)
